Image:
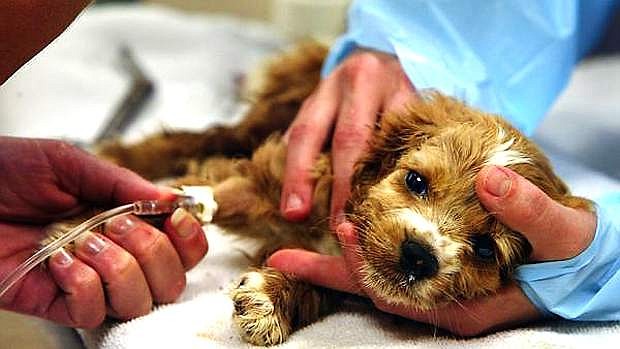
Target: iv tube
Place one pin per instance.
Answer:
(141, 208)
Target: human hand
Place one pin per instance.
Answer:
(554, 231)
(348, 102)
(120, 272)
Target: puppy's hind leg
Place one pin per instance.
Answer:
(269, 305)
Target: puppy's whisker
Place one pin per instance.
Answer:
(434, 317)
(321, 221)
(348, 246)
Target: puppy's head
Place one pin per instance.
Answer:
(424, 238)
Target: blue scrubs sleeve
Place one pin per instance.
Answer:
(587, 286)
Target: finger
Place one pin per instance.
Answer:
(83, 301)
(350, 251)
(306, 137)
(126, 288)
(508, 307)
(354, 127)
(155, 254)
(187, 236)
(31, 293)
(404, 93)
(83, 175)
(554, 231)
(317, 269)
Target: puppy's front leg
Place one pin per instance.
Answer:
(269, 305)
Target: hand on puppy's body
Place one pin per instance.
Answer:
(348, 102)
(555, 232)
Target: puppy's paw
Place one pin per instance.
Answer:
(259, 314)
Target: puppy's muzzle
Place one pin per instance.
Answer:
(417, 261)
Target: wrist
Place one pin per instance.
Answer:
(583, 287)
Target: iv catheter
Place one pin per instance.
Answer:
(198, 200)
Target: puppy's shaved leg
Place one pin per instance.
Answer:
(234, 191)
(236, 197)
(269, 305)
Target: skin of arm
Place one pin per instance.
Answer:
(27, 26)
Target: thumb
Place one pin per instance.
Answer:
(554, 231)
(94, 180)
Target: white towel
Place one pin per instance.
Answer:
(193, 60)
(202, 318)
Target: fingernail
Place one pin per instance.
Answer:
(182, 221)
(293, 202)
(168, 192)
(62, 257)
(91, 243)
(497, 182)
(122, 225)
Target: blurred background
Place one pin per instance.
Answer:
(299, 18)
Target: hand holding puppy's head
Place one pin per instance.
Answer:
(424, 237)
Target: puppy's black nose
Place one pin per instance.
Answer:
(417, 262)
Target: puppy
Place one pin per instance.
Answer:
(424, 238)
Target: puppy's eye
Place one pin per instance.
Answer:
(416, 183)
(484, 248)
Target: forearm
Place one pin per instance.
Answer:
(27, 26)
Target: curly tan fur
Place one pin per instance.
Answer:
(442, 139)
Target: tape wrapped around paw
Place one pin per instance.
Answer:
(204, 199)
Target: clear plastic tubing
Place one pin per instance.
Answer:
(140, 208)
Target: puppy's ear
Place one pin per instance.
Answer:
(390, 141)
